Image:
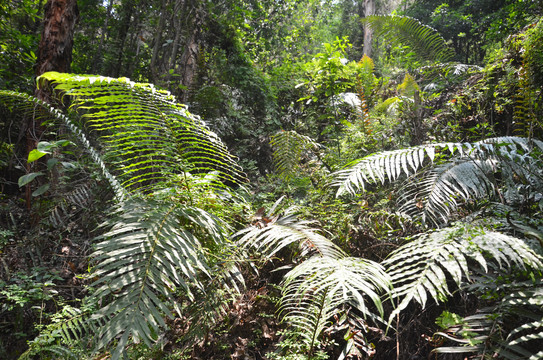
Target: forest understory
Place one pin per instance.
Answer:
(279, 180)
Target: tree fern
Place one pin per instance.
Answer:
(425, 41)
(420, 268)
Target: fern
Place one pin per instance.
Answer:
(289, 147)
(420, 268)
(321, 286)
(486, 332)
(424, 40)
(468, 175)
(41, 111)
(146, 135)
(151, 249)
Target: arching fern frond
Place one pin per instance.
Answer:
(151, 249)
(469, 174)
(321, 287)
(279, 231)
(420, 268)
(427, 43)
(288, 148)
(33, 107)
(146, 135)
(442, 189)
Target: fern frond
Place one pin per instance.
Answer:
(318, 288)
(427, 43)
(385, 165)
(483, 333)
(289, 147)
(146, 134)
(151, 249)
(468, 175)
(41, 111)
(445, 187)
(279, 231)
(420, 268)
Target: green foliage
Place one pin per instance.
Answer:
(421, 267)
(424, 40)
(151, 248)
(144, 132)
(19, 36)
(409, 86)
(289, 149)
(468, 175)
(511, 329)
(327, 283)
(533, 54)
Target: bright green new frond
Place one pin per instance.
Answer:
(145, 134)
(427, 43)
(151, 249)
(288, 148)
(41, 111)
(419, 269)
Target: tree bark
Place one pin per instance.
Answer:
(97, 59)
(369, 9)
(54, 54)
(189, 60)
(55, 47)
(153, 71)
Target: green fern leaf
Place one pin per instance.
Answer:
(318, 288)
(420, 268)
(151, 249)
(278, 232)
(289, 147)
(424, 40)
(146, 135)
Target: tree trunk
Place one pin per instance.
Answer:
(153, 71)
(97, 59)
(128, 9)
(54, 54)
(55, 48)
(189, 60)
(369, 9)
(177, 16)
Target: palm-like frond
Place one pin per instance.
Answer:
(427, 43)
(277, 232)
(289, 146)
(420, 269)
(146, 135)
(442, 189)
(319, 288)
(487, 332)
(33, 107)
(468, 175)
(151, 249)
